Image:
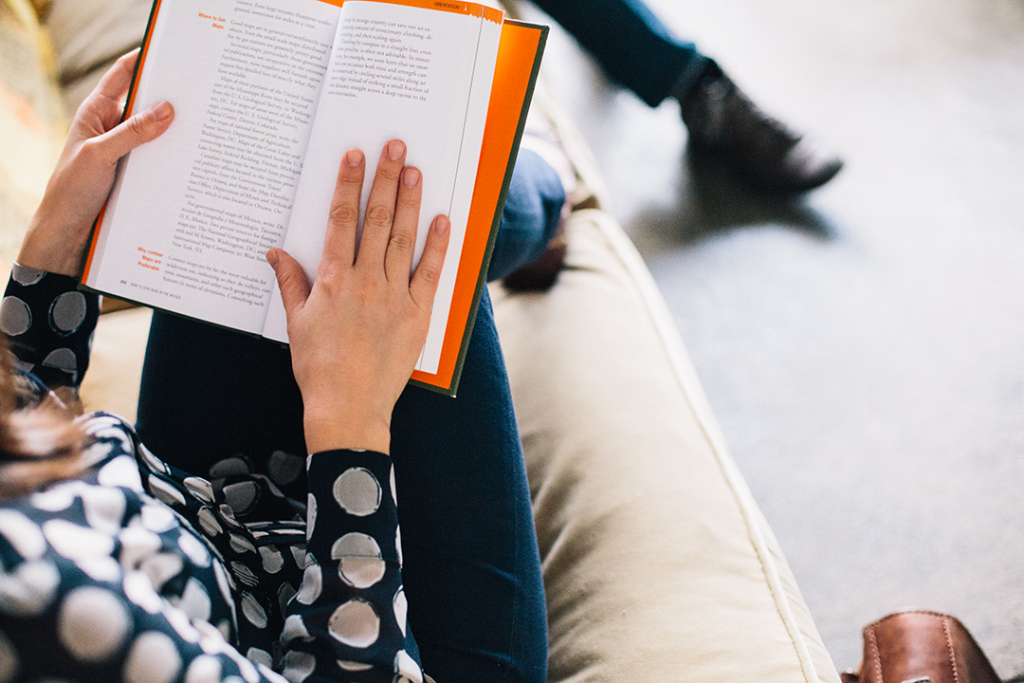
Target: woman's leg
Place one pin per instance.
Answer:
(476, 597)
(472, 570)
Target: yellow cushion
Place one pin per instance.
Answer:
(32, 121)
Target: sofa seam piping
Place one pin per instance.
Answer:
(627, 254)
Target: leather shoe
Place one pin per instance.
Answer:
(723, 121)
(918, 646)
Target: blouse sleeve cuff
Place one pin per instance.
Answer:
(49, 324)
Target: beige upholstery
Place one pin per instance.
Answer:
(115, 365)
(657, 563)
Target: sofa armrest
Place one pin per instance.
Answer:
(657, 563)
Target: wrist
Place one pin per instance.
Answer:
(39, 249)
(337, 429)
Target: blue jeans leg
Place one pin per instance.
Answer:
(472, 570)
(632, 45)
(533, 210)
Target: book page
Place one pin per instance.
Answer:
(404, 72)
(194, 212)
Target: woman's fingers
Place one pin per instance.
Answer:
(402, 243)
(380, 206)
(291, 280)
(114, 84)
(343, 221)
(388, 229)
(428, 272)
(147, 125)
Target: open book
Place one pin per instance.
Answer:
(268, 95)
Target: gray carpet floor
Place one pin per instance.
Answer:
(863, 348)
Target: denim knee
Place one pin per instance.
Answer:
(533, 209)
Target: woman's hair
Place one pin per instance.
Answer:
(39, 440)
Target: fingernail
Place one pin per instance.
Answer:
(441, 225)
(395, 149)
(273, 258)
(411, 177)
(354, 157)
(162, 111)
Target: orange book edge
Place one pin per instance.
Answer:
(515, 76)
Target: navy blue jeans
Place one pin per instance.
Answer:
(472, 569)
(632, 45)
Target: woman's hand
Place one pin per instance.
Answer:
(59, 230)
(356, 334)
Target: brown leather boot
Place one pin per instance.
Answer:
(722, 121)
(920, 647)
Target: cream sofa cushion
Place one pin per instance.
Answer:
(657, 563)
(115, 365)
(89, 36)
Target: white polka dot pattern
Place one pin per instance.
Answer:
(357, 492)
(200, 488)
(194, 549)
(312, 584)
(67, 312)
(203, 669)
(23, 534)
(355, 623)
(272, 559)
(62, 359)
(153, 658)
(285, 468)
(401, 606)
(253, 611)
(144, 560)
(136, 545)
(165, 492)
(15, 316)
(353, 666)
(407, 667)
(93, 624)
(121, 471)
(284, 594)
(258, 656)
(241, 544)
(139, 590)
(26, 276)
(295, 627)
(208, 522)
(29, 589)
(244, 575)
(76, 542)
(104, 508)
(241, 497)
(298, 666)
(161, 567)
(310, 514)
(195, 600)
(361, 564)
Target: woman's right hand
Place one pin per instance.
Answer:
(357, 332)
(59, 230)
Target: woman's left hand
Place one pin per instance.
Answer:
(59, 230)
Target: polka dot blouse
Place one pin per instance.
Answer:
(139, 572)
